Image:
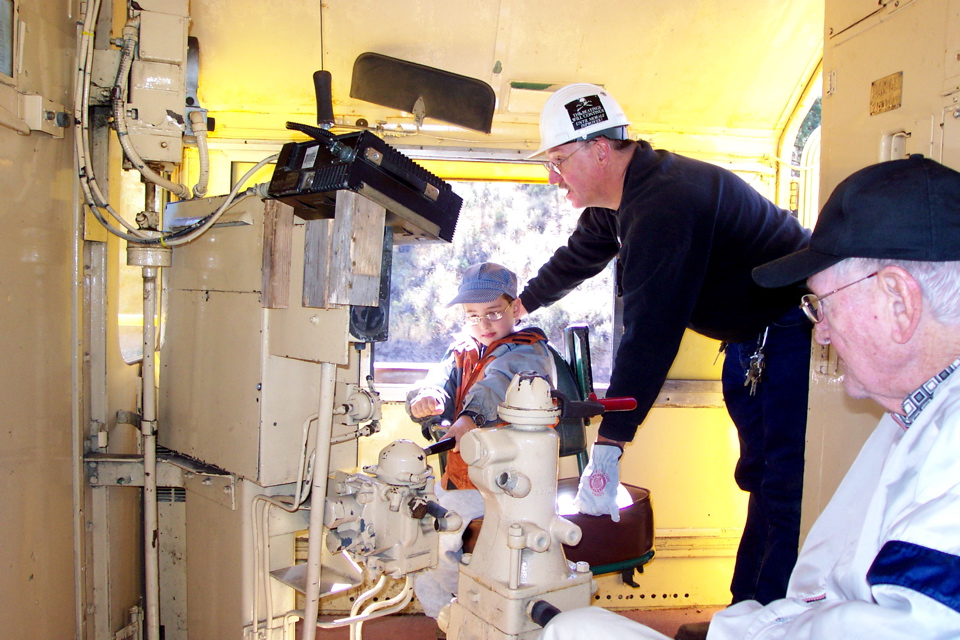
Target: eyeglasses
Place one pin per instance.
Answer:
(812, 305)
(554, 167)
(493, 316)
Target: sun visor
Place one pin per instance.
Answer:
(423, 91)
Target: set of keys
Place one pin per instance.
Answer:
(757, 363)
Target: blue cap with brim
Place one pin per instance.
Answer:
(901, 210)
(485, 282)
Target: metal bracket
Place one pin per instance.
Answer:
(173, 470)
(129, 417)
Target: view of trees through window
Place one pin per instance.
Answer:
(810, 123)
(513, 224)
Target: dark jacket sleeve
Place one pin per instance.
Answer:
(591, 246)
(667, 235)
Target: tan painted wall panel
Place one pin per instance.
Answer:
(37, 249)
(885, 43)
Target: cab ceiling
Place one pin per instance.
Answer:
(691, 67)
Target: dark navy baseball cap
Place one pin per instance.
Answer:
(902, 210)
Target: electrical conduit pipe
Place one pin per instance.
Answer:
(318, 493)
(148, 429)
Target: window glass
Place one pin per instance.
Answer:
(6, 37)
(130, 302)
(806, 159)
(514, 224)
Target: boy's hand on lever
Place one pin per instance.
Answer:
(460, 427)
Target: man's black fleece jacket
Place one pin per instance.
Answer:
(688, 234)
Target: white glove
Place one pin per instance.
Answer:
(597, 493)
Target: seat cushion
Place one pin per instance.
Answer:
(605, 541)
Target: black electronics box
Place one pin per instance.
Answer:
(420, 206)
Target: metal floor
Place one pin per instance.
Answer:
(420, 627)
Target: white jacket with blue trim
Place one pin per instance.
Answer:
(883, 559)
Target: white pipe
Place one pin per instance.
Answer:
(318, 492)
(516, 544)
(404, 597)
(367, 595)
(199, 124)
(229, 202)
(259, 580)
(93, 195)
(78, 433)
(261, 560)
(395, 604)
(265, 568)
(148, 429)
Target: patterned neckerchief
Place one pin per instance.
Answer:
(920, 398)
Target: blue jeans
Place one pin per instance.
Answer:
(771, 425)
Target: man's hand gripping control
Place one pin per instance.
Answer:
(597, 493)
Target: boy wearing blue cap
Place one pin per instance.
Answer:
(465, 389)
(471, 380)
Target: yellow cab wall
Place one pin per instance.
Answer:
(712, 79)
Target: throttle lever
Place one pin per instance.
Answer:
(615, 404)
(439, 447)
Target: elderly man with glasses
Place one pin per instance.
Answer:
(883, 559)
(686, 235)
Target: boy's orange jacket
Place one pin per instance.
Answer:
(473, 366)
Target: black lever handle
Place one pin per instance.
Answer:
(322, 86)
(444, 445)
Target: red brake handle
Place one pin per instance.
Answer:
(615, 404)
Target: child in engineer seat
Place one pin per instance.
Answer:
(465, 389)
